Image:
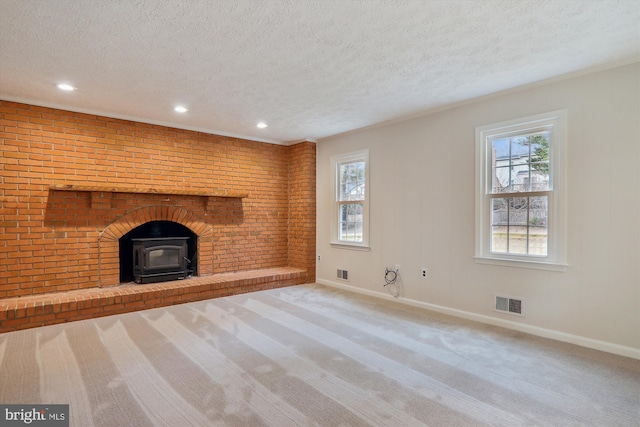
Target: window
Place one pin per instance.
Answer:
(351, 199)
(520, 214)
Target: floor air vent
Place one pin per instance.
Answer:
(510, 305)
(343, 274)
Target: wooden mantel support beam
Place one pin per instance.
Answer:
(99, 198)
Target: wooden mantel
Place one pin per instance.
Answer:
(143, 190)
(95, 190)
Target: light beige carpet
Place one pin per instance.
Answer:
(310, 355)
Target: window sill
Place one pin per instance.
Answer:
(519, 263)
(350, 246)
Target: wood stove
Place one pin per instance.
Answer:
(158, 259)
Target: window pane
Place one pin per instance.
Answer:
(501, 166)
(539, 161)
(352, 181)
(518, 211)
(350, 222)
(538, 226)
(518, 240)
(520, 163)
(499, 226)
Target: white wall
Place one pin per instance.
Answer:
(422, 175)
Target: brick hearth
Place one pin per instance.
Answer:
(61, 307)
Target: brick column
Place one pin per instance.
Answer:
(302, 208)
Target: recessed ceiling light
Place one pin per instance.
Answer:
(67, 87)
(262, 125)
(181, 109)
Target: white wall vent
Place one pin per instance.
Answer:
(343, 274)
(510, 305)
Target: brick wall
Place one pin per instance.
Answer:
(302, 207)
(54, 240)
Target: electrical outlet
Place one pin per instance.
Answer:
(318, 258)
(423, 273)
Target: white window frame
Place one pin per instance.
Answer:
(557, 223)
(336, 161)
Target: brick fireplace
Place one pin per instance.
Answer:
(72, 185)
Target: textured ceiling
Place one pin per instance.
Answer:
(310, 69)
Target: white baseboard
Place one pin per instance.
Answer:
(533, 330)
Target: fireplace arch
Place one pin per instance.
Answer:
(109, 247)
